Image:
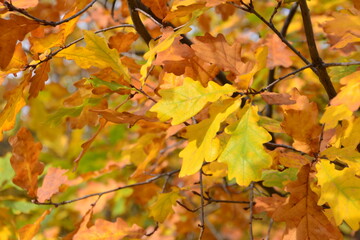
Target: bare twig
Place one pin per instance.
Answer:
(269, 229)
(271, 77)
(251, 198)
(341, 64)
(315, 57)
(286, 76)
(153, 231)
(202, 212)
(275, 145)
(149, 16)
(275, 11)
(11, 7)
(150, 180)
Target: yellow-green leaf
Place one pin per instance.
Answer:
(341, 190)
(203, 144)
(97, 54)
(182, 103)
(163, 205)
(244, 153)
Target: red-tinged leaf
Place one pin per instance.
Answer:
(279, 54)
(29, 231)
(86, 145)
(15, 102)
(25, 161)
(39, 79)
(268, 204)
(51, 185)
(277, 98)
(13, 30)
(122, 117)
(158, 7)
(106, 230)
(304, 218)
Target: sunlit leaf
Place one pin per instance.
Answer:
(181, 103)
(163, 205)
(53, 180)
(244, 152)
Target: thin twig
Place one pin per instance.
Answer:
(202, 212)
(153, 231)
(51, 55)
(276, 145)
(286, 76)
(275, 11)
(149, 16)
(341, 64)
(251, 198)
(11, 7)
(269, 229)
(150, 180)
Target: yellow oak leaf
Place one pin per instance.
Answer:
(341, 190)
(97, 54)
(351, 135)
(203, 144)
(244, 153)
(349, 94)
(15, 102)
(334, 114)
(183, 102)
(17, 62)
(163, 205)
(29, 231)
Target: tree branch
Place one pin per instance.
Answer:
(139, 26)
(150, 180)
(202, 212)
(11, 7)
(315, 57)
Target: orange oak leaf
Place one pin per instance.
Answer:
(25, 162)
(122, 41)
(29, 231)
(279, 54)
(106, 230)
(13, 30)
(86, 145)
(216, 50)
(25, 3)
(53, 180)
(158, 7)
(38, 80)
(304, 218)
(121, 117)
(277, 98)
(80, 226)
(301, 123)
(15, 102)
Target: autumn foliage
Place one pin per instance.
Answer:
(179, 119)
